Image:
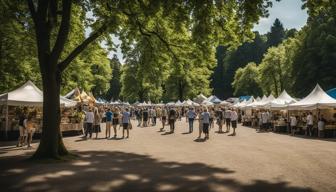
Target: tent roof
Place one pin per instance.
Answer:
(282, 101)
(316, 99)
(30, 95)
(332, 93)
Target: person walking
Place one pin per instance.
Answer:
(206, 122)
(172, 118)
(108, 115)
(97, 121)
(191, 115)
(164, 115)
(89, 122)
(234, 119)
(227, 115)
(126, 122)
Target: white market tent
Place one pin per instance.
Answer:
(256, 102)
(244, 103)
(200, 98)
(266, 102)
(225, 103)
(207, 103)
(282, 101)
(190, 103)
(317, 99)
(29, 95)
(214, 99)
(178, 103)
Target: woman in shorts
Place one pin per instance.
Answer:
(97, 121)
(115, 120)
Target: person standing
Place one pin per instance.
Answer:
(310, 123)
(154, 115)
(172, 118)
(321, 126)
(234, 119)
(145, 117)
(30, 129)
(220, 119)
(293, 124)
(138, 116)
(206, 122)
(115, 121)
(164, 115)
(191, 115)
(22, 128)
(227, 115)
(108, 115)
(97, 121)
(264, 120)
(89, 122)
(200, 123)
(126, 122)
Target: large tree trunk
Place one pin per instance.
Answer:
(51, 144)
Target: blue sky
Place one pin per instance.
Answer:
(288, 11)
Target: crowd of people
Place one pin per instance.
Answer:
(118, 117)
(264, 120)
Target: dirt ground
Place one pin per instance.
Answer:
(151, 160)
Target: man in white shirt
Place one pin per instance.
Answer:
(191, 115)
(234, 119)
(206, 122)
(89, 117)
(227, 115)
(293, 124)
(310, 123)
(264, 120)
(126, 121)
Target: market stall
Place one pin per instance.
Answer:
(321, 104)
(28, 96)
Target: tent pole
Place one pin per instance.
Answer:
(6, 125)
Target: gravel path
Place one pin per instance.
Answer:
(156, 161)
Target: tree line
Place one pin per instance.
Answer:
(297, 62)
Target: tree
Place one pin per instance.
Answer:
(246, 81)
(18, 62)
(315, 60)
(276, 35)
(209, 23)
(248, 52)
(276, 67)
(115, 84)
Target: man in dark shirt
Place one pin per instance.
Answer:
(172, 119)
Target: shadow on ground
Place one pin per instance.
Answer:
(119, 171)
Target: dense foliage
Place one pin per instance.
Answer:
(305, 58)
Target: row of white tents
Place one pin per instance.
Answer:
(317, 99)
(200, 100)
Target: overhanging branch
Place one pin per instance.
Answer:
(63, 65)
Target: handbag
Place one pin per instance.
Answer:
(130, 126)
